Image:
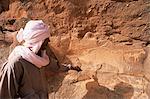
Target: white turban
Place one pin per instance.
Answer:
(33, 35)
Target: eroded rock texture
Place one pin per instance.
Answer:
(105, 43)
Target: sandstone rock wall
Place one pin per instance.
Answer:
(107, 39)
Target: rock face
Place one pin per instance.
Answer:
(106, 42)
(119, 60)
(4, 5)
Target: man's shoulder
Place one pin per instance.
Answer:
(25, 62)
(19, 61)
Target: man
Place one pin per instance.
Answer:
(22, 75)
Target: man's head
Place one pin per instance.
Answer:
(35, 35)
(34, 31)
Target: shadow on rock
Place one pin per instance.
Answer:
(55, 72)
(96, 91)
(4, 5)
(124, 89)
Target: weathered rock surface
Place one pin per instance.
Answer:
(105, 41)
